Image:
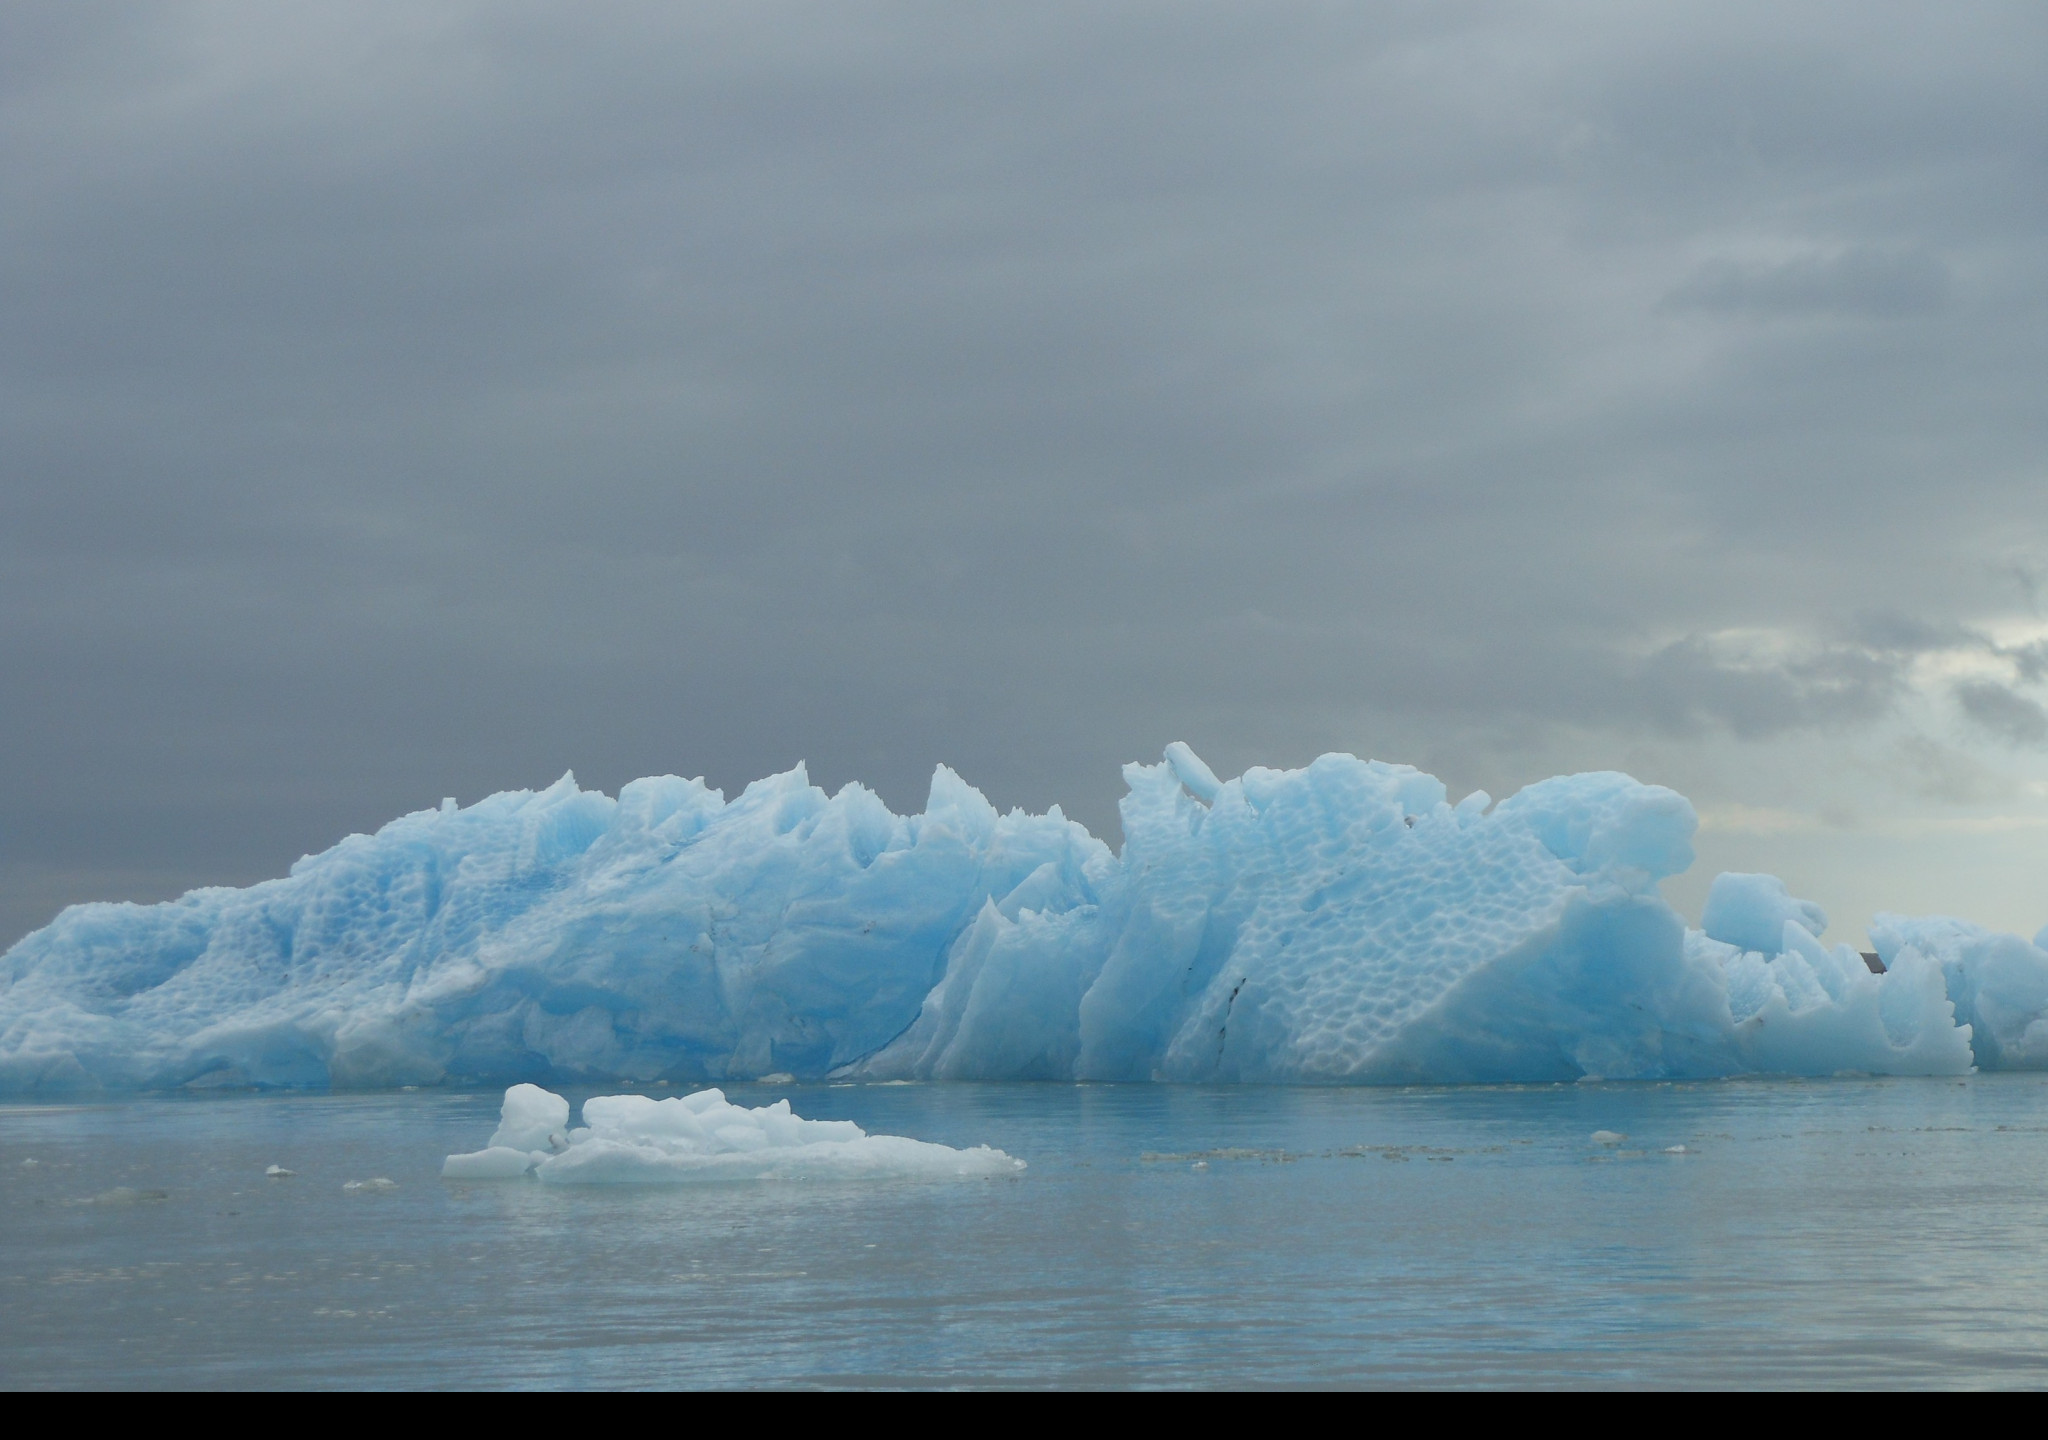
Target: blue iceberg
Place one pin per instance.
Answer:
(1338, 924)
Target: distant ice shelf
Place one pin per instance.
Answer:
(1337, 924)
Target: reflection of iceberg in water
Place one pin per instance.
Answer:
(1340, 923)
(700, 1139)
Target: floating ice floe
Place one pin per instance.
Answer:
(687, 1139)
(1342, 923)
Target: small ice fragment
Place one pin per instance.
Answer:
(278, 1172)
(1674, 1150)
(369, 1187)
(780, 1077)
(30, 1163)
(1199, 1165)
(1608, 1137)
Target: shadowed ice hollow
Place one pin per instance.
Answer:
(1341, 923)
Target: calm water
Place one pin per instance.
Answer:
(1828, 1233)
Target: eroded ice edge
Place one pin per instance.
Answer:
(633, 1140)
(1340, 923)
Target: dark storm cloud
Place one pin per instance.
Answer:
(409, 400)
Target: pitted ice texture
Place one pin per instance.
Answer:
(1341, 923)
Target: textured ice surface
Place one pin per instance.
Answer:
(634, 1140)
(1750, 911)
(1338, 923)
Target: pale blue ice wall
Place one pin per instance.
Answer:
(1340, 923)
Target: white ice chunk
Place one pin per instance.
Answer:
(531, 1119)
(690, 1139)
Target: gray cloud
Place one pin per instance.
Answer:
(2003, 712)
(1941, 773)
(1890, 633)
(1864, 280)
(1833, 685)
(2029, 661)
(401, 401)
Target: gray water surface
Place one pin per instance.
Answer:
(1846, 1232)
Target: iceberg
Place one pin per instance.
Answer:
(696, 1139)
(1343, 923)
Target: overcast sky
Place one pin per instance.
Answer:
(407, 400)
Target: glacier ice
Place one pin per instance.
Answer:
(691, 1139)
(1340, 923)
(1750, 911)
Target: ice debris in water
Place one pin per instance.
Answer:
(1608, 1137)
(378, 1186)
(278, 1172)
(632, 1139)
(1341, 923)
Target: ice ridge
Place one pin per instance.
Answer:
(1340, 923)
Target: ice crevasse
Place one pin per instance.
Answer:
(1340, 923)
